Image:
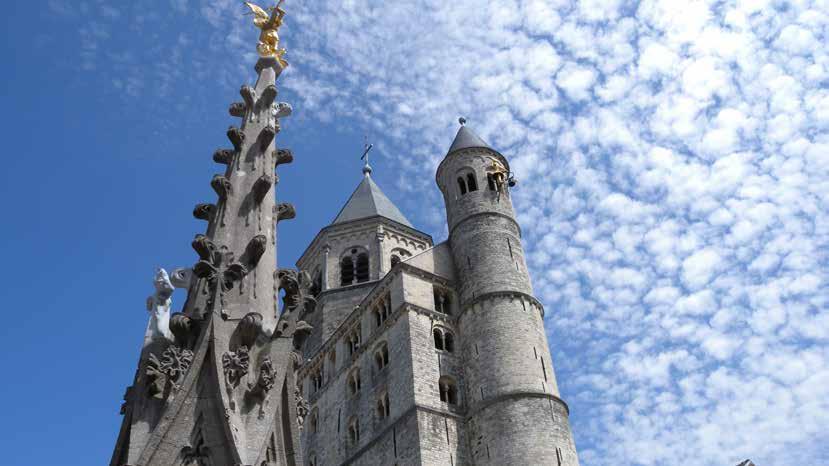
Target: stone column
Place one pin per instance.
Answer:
(325, 250)
(381, 253)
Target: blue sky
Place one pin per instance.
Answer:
(673, 160)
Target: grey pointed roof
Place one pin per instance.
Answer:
(466, 139)
(369, 201)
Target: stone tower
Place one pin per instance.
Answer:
(215, 383)
(425, 354)
(513, 411)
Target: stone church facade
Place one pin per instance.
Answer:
(430, 354)
(387, 349)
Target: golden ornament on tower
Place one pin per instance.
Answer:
(268, 45)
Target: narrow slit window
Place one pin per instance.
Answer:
(471, 182)
(462, 185)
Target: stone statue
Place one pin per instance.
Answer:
(268, 45)
(159, 305)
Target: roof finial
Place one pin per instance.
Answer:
(462, 121)
(268, 45)
(366, 166)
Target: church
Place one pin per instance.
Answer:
(388, 349)
(426, 353)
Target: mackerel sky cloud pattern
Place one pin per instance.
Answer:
(673, 165)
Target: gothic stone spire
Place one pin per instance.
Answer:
(221, 389)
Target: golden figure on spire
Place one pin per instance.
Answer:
(268, 45)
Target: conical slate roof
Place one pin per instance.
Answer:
(466, 139)
(369, 201)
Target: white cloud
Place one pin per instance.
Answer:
(576, 81)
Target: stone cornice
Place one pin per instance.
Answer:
(369, 224)
(500, 294)
(482, 405)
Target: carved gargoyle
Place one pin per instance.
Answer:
(285, 211)
(223, 156)
(268, 96)
(158, 304)
(204, 211)
(266, 137)
(236, 136)
(302, 331)
(184, 329)
(283, 156)
(248, 95)
(204, 247)
(249, 328)
(297, 286)
(237, 109)
(297, 303)
(261, 187)
(222, 186)
(282, 109)
(255, 249)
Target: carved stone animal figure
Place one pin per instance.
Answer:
(158, 305)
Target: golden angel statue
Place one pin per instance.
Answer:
(268, 45)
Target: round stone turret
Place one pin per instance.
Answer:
(515, 415)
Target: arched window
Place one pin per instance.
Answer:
(383, 407)
(354, 382)
(381, 357)
(313, 460)
(441, 300)
(444, 340)
(448, 390)
(438, 338)
(353, 431)
(353, 341)
(462, 185)
(471, 183)
(346, 271)
(382, 310)
(378, 316)
(354, 267)
(490, 181)
(316, 379)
